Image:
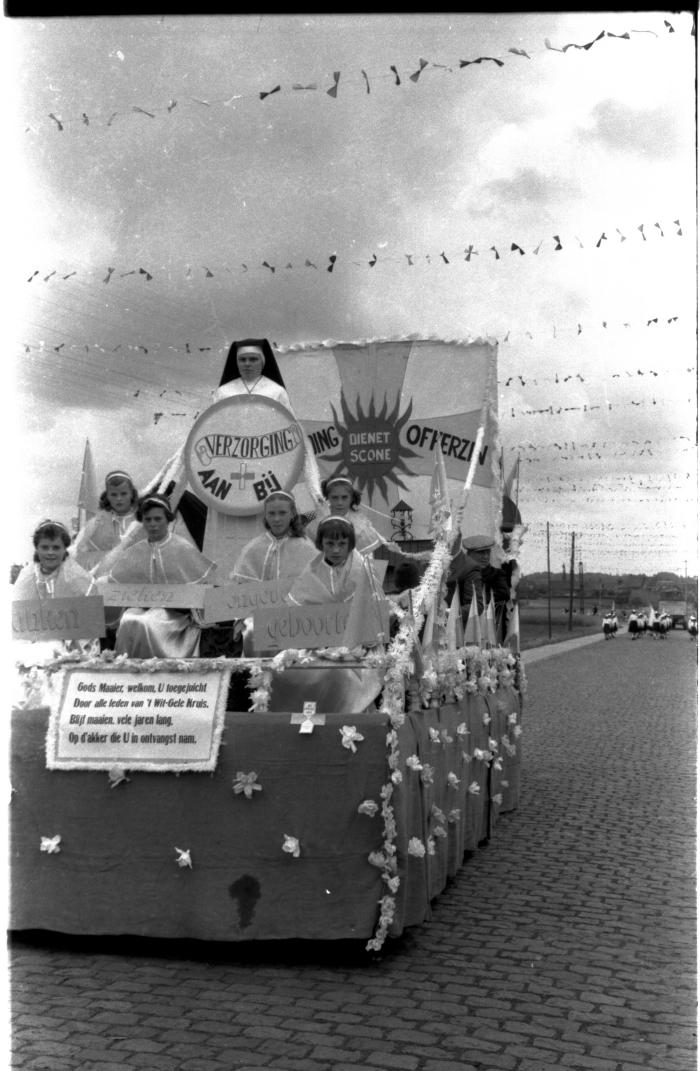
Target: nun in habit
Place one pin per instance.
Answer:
(251, 368)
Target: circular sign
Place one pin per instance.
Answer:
(240, 450)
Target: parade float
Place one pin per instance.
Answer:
(327, 783)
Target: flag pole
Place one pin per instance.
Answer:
(483, 417)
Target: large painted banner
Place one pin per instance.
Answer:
(378, 410)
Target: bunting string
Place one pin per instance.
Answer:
(353, 81)
(406, 260)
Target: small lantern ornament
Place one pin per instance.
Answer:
(401, 520)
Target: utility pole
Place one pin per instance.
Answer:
(571, 582)
(549, 589)
(582, 604)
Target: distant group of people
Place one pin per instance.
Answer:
(641, 623)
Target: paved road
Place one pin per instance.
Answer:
(568, 942)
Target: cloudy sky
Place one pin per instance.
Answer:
(165, 165)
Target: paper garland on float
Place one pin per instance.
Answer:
(60, 123)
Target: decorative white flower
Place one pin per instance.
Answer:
(486, 718)
(513, 718)
(498, 798)
(480, 755)
(377, 859)
(397, 777)
(498, 765)
(349, 735)
(50, 845)
(446, 739)
(291, 846)
(434, 735)
(506, 784)
(436, 813)
(474, 788)
(416, 847)
(432, 847)
(426, 774)
(184, 857)
(368, 807)
(393, 883)
(260, 699)
(116, 776)
(440, 831)
(453, 780)
(517, 731)
(414, 763)
(455, 815)
(493, 744)
(245, 783)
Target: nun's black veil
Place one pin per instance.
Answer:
(270, 367)
(192, 510)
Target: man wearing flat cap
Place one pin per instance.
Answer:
(471, 571)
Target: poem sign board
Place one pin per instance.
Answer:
(319, 625)
(162, 720)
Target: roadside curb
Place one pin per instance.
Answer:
(536, 654)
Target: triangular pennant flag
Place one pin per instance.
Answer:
(333, 91)
(416, 649)
(430, 638)
(270, 92)
(472, 629)
(439, 495)
(455, 627)
(508, 481)
(88, 499)
(512, 637)
(490, 616)
(416, 74)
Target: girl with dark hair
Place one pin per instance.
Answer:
(283, 550)
(107, 528)
(333, 574)
(343, 500)
(161, 558)
(52, 575)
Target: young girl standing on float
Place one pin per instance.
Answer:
(343, 500)
(280, 552)
(107, 528)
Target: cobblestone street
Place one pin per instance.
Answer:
(567, 942)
